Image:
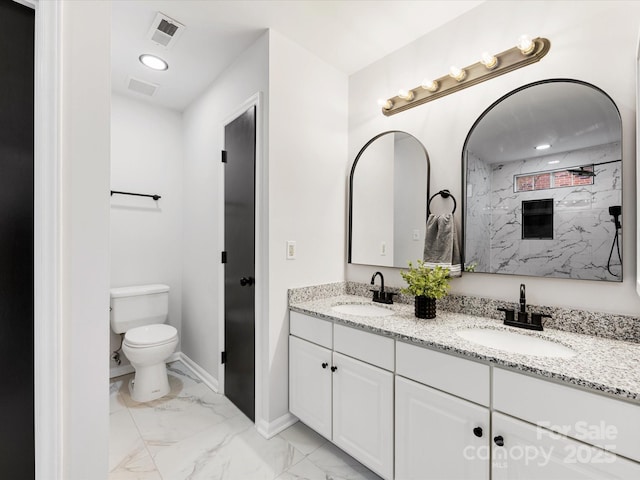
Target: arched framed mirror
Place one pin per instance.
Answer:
(388, 194)
(543, 184)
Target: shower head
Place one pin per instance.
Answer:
(581, 172)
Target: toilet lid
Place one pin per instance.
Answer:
(150, 335)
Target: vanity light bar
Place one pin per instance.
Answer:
(527, 51)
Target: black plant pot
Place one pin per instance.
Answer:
(425, 307)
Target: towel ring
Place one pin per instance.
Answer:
(443, 194)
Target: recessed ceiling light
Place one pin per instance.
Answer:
(153, 62)
(543, 146)
(553, 162)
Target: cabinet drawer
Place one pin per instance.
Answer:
(455, 375)
(529, 453)
(311, 328)
(605, 422)
(368, 347)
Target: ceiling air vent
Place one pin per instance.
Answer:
(165, 31)
(142, 87)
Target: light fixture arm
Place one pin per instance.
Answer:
(507, 61)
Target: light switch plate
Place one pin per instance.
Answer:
(291, 250)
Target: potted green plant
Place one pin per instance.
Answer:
(427, 285)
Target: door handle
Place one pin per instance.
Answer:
(246, 281)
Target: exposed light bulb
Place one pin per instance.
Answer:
(488, 60)
(457, 73)
(430, 85)
(525, 44)
(153, 62)
(386, 104)
(406, 95)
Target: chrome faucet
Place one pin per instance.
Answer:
(381, 296)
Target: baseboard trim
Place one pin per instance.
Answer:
(198, 371)
(271, 429)
(119, 371)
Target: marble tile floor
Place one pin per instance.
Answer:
(194, 433)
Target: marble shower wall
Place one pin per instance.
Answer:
(478, 214)
(583, 230)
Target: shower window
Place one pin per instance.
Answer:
(530, 182)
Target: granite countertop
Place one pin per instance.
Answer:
(601, 364)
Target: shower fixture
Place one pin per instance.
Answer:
(615, 211)
(582, 172)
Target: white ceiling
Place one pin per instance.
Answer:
(568, 116)
(349, 34)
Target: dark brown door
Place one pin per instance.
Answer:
(239, 240)
(16, 240)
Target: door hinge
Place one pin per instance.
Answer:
(224, 156)
(224, 257)
(223, 357)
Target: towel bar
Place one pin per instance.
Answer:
(443, 194)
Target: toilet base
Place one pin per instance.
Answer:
(150, 383)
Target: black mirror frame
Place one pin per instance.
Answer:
(479, 119)
(353, 169)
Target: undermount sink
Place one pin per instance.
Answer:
(362, 310)
(516, 343)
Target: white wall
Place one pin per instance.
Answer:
(302, 197)
(307, 189)
(578, 51)
(203, 201)
(84, 207)
(146, 235)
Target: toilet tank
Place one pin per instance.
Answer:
(138, 305)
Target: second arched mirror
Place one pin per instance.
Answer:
(543, 184)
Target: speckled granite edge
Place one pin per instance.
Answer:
(604, 365)
(605, 325)
(316, 292)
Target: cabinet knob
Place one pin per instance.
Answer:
(499, 441)
(477, 431)
(325, 364)
(246, 281)
(334, 368)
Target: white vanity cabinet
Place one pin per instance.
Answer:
(413, 413)
(310, 384)
(341, 385)
(440, 435)
(363, 413)
(526, 452)
(555, 416)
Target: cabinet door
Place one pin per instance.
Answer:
(363, 413)
(532, 453)
(310, 384)
(439, 436)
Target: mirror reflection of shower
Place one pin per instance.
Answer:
(615, 211)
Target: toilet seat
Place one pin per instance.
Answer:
(150, 336)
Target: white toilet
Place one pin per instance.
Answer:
(140, 312)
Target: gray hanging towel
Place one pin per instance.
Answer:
(441, 244)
